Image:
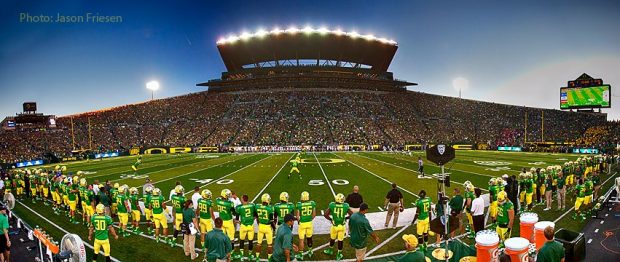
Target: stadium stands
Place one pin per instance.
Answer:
(305, 116)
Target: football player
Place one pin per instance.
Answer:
(205, 210)
(283, 208)
(422, 215)
(337, 213)
(33, 187)
(138, 162)
(101, 226)
(134, 199)
(505, 216)
(177, 209)
(305, 212)
(246, 213)
(493, 190)
(294, 163)
(113, 192)
(226, 209)
(158, 207)
(148, 212)
(264, 215)
(469, 199)
(72, 197)
(581, 194)
(123, 208)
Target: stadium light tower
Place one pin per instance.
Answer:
(153, 86)
(459, 84)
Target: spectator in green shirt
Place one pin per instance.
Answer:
(456, 207)
(189, 219)
(551, 251)
(412, 255)
(217, 244)
(283, 246)
(360, 229)
(5, 242)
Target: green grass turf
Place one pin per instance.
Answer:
(254, 174)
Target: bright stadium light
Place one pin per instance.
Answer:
(276, 31)
(261, 33)
(369, 37)
(308, 29)
(153, 86)
(245, 36)
(292, 30)
(460, 84)
(354, 34)
(323, 30)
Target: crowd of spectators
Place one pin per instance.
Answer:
(305, 116)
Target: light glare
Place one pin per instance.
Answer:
(152, 85)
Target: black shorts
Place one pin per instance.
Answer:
(3, 244)
(421, 169)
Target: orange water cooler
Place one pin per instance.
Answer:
(487, 242)
(526, 225)
(539, 232)
(517, 248)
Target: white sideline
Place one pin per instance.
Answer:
(274, 177)
(62, 229)
(324, 175)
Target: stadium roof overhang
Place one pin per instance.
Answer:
(253, 50)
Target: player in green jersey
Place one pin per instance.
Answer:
(73, 192)
(122, 203)
(588, 200)
(226, 209)
(505, 216)
(246, 214)
(580, 191)
(294, 167)
(101, 227)
(158, 206)
(134, 167)
(178, 199)
(205, 212)
(305, 212)
(33, 188)
(469, 198)
(493, 191)
(283, 208)
(337, 213)
(134, 200)
(422, 216)
(148, 212)
(264, 216)
(113, 192)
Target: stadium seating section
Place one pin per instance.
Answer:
(311, 117)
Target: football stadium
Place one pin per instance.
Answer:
(308, 147)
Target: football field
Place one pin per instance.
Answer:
(322, 174)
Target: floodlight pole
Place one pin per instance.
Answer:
(152, 94)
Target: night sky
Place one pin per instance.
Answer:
(515, 52)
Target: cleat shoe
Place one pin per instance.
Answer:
(339, 256)
(310, 253)
(299, 257)
(236, 256)
(328, 251)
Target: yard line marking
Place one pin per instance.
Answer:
(229, 174)
(386, 241)
(176, 160)
(272, 178)
(157, 171)
(387, 181)
(324, 175)
(414, 171)
(380, 209)
(61, 229)
(200, 170)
